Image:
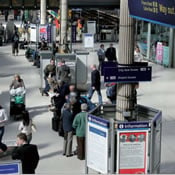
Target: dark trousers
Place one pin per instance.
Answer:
(15, 48)
(1, 133)
(81, 148)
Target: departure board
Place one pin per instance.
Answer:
(30, 3)
(5, 3)
(17, 3)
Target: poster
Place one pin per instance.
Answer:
(97, 144)
(133, 150)
(43, 33)
(159, 52)
(166, 61)
(33, 33)
(132, 147)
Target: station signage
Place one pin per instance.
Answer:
(158, 11)
(97, 141)
(10, 168)
(127, 74)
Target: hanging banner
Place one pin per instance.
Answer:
(97, 144)
(157, 11)
(159, 52)
(43, 32)
(132, 148)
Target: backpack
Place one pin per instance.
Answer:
(85, 99)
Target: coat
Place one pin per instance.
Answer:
(28, 154)
(64, 73)
(95, 79)
(67, 120)
(111, 54)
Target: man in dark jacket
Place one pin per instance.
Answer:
(27, 153)
(95, 83)
(49, 72)
(15, 43)
(68, 130)
(64, 72)
(111, 53)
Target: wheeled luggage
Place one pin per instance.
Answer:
(55, 123)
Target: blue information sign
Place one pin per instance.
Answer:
(156, 11)
(127, 74)
(10, 168)
(133, 125)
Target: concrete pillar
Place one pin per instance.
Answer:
(43, 12)
(63, 19)
(171, 48)
(125, 92)
(148, 42)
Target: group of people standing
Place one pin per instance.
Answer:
(109, 53)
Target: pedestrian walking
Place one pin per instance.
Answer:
(27, 153)
(95, 83)
(26, 126)
(15, 43)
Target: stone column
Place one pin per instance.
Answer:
(125, 92)
(43, 11)
(63, 19)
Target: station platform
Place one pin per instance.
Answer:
(159, 94)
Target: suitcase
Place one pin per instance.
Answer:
(55, 123)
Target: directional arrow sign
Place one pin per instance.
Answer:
(127, 74)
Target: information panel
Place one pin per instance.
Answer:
(10, 168)
(97, 144)
(132, 148)
(88, 40)
(157, 11)
(127, 74)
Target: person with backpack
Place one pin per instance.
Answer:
(15, 43)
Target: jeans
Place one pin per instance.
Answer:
(91, 92)
(1, 133)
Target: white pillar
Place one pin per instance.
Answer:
(63, 29)
(125, 92)
(43, 11)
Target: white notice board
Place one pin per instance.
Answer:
(97, 144)
(88, 40)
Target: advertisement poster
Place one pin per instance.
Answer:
(97, 144)
(43, 33)
(133, 152)
(166, 56)
(159, 52)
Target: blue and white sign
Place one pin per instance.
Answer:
(88, 40)
(97, 143)
(157, 11)
(127, 74)
(10, 168)
(133, 125)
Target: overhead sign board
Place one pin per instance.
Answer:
(157, 11)
(127, 74)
